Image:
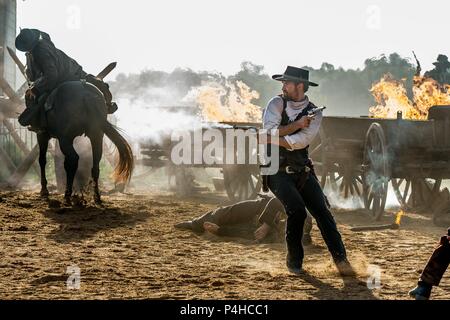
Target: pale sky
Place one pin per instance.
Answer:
(220, 34)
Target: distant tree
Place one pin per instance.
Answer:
(344, 92)
(441, 71)
(254, 76)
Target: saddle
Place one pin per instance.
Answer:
(99, 84)
(35, 113)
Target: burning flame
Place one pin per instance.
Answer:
(391, 97)
(227, 103)
(398, 218)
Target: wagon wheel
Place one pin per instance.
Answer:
(180, 180)
(324, 167)
(375, 171)
(429, 190)
(416, 193)
(344, 177)
(325, 175)
(242, 182)
(346, 180)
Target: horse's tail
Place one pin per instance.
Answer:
(124, 168)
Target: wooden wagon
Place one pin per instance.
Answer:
(358, 157)
(240, 181)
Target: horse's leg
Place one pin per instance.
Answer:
(97, 150)
(70, 165)
(43, 139)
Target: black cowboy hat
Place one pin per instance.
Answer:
(27, 39)
(442, 59)
(296, 75)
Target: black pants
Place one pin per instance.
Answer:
(311, 196)
(438, 263)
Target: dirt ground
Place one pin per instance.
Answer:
(129, 249)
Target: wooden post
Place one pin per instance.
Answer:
(9, 91)
(22, 89)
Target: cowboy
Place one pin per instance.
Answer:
(434, 270)
(295, 183)
(441, 71)
(48, 67)
(261, 219)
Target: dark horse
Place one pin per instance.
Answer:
(79, 108)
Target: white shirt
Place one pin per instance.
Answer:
(272, 120)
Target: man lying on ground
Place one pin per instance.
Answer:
(262, 219)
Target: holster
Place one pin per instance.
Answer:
(313, 173)
(303, 176)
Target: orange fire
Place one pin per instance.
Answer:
(391, 97)
(398, 218)
(227, 103)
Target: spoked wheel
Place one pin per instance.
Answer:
(242, 182)
(375, 171)
(342, 177)
(402, 189)
(328, 175)
(413, 194)
(181, 180)
(346, 180)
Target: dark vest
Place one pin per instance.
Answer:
(296, 158)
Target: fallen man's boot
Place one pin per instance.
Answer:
(186, 225)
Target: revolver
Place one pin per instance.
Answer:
(314, 111)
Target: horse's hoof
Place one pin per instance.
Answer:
(97, 199)
(44, 193)
(67, 201)
(78, 201)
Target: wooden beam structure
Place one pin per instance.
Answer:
(6, 161)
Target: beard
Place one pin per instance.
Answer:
(286, 95)
(290, 96)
